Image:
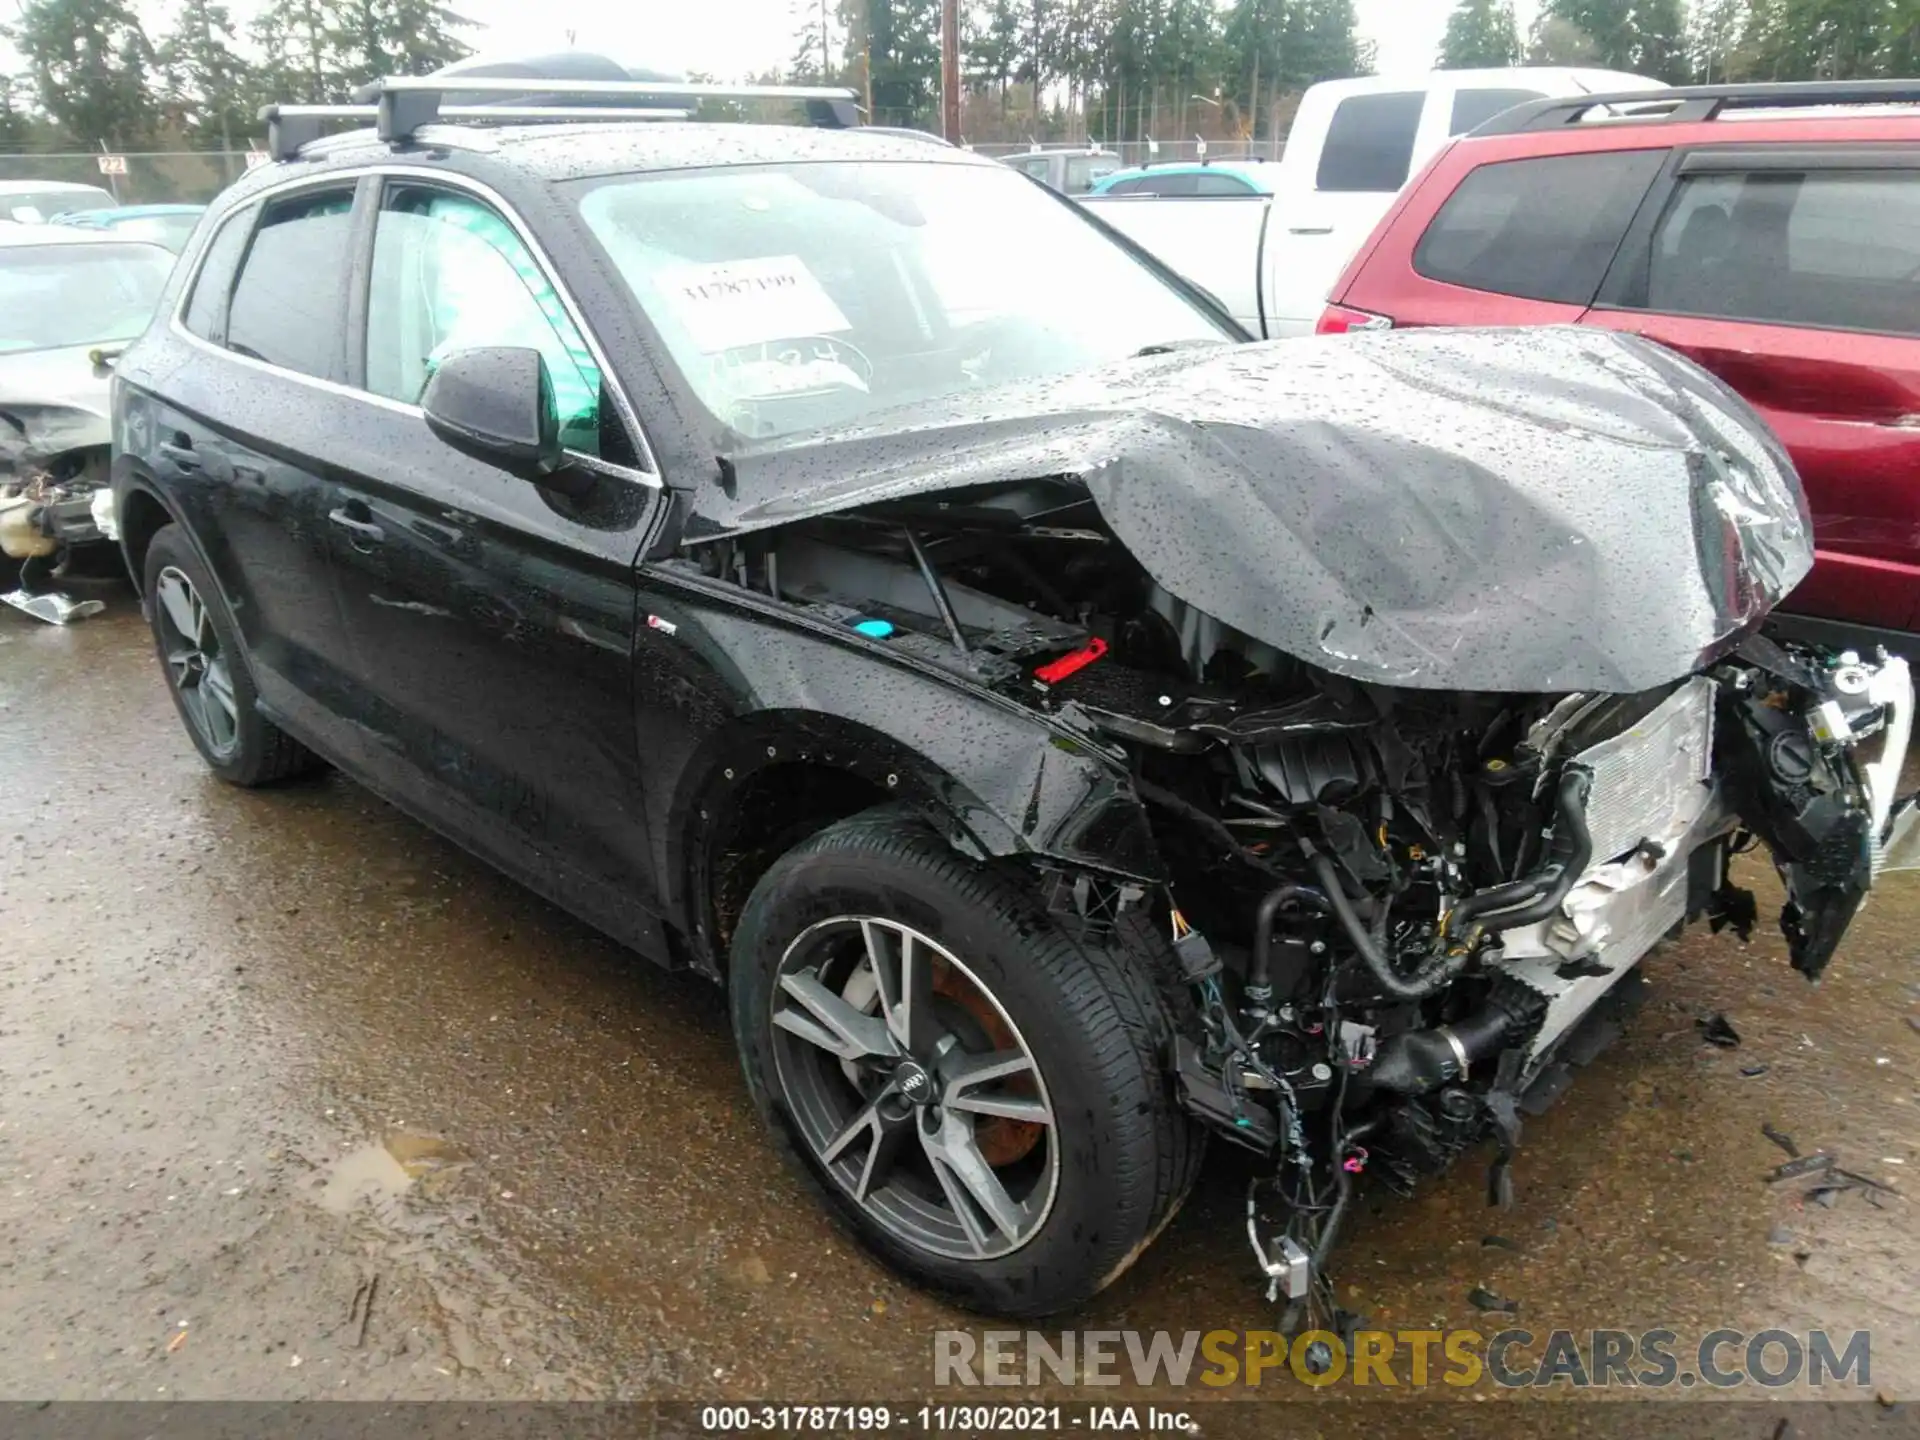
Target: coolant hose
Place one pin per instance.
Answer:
(1570, 824)
(1541, 892)
(1260, 968)
(1437, 972)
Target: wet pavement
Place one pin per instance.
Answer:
(300, 1101)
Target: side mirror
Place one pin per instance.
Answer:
(496, 404)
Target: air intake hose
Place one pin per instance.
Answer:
(1416, 1061)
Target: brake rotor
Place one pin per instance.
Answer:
(1002, 1141)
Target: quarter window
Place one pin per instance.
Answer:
(449, 273)
(1540, 229)
(287, 308)
(1834, 249)
(1370, 143)
(1473, 108)
(205, 308)
(1084, 170)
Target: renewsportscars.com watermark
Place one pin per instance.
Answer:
(1511, 1359)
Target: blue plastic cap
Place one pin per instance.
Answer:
(874, 629)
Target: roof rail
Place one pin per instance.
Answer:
(400, 105)
(1700, 102)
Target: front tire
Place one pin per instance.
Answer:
(976, 1096)
(207, 671)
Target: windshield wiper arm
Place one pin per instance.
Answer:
(1168, 347)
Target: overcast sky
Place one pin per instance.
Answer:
(735, 37)
(732, 38)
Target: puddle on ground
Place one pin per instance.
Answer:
(385, 1170)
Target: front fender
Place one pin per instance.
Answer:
(999, 780)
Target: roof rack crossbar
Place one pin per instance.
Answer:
(610, 89)
(407, 102)
(291, 126)
(1700, 102)
(400, 106)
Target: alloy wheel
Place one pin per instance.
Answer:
(196, 663)
(913, 1088)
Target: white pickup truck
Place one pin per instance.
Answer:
(1271, 259)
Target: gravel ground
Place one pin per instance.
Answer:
(301, 1101)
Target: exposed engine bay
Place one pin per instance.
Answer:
(46, 509)
(1398, 916)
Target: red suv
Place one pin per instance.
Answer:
(1770, 232)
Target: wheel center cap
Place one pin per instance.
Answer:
(916, 1085)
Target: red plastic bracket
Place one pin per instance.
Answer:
(1054, 671)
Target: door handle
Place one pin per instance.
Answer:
(1309, 230)
(361, 534)
(180, 451)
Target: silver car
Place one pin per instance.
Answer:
(69, 300)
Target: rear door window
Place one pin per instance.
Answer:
(1541, 229)
(1473, 108)
(1369, 143)
(1834, 249)
(1218, 183)
(1166, 185)
(289, 306)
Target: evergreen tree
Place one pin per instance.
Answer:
(89, 62)
(894, 46)
(207, 84)
(813, 50)
(16, 123)
(1645, 36)
(1715, 29)
(1660, 40)
(423, 35)
(1607, 26)
(992, 44)
(1557, 41)
(1481, 34)
(298, 66)
(356, 40)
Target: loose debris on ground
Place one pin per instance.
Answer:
(1482, 1298)
(1831, 1179)
(1715, 1029)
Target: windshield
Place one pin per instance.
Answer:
(59, 295)
(172, 231)
(799, 296)
(33, 206)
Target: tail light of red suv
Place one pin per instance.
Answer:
(1343, 320)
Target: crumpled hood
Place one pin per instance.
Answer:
(1528, 510)
(51, 401)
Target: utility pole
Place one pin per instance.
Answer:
(950, 70)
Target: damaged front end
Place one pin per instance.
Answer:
(1434, 662)
(55, 492)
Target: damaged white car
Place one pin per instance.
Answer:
(69, 299)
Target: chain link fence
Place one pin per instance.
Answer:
(1165, 152)
(191, 177)
(160, 177)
